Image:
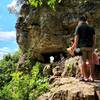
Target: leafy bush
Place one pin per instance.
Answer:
(18, 85)
(7, 67)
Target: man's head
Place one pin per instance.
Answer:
(82, 18)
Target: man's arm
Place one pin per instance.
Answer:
(76, 38)
(75, 42)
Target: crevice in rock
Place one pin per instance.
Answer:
(57, 56)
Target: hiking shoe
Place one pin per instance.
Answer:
(91, 79)
(86, 79)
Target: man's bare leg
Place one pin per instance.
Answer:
(91, 77)
(84, 70)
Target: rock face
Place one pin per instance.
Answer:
(72, 67)
(72, 89)
(44, 31)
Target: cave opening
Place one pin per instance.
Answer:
(56, 55)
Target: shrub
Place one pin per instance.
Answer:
(18, 85)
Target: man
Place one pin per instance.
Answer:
(85, 39)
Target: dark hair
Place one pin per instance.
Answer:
(82, 18)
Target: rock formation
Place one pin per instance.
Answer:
(72, 89)
(64, 82)
(45, 31)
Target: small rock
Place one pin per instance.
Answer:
(47, 70)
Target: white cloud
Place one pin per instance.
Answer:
(8, 35)
(13, 7)
(4, 51)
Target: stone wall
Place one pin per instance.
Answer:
(43, 30)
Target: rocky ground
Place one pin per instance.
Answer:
(72, 89)
(64, 82)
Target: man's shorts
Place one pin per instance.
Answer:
(86, 53)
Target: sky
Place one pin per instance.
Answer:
(7, 30)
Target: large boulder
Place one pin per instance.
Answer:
(45, 31)
(72, 89)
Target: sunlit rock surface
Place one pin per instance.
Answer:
(72, 89)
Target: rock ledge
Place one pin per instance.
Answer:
(72, 89)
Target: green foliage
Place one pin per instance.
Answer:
(16, 56)
(18, 85)
(35, 2)
(7, 67)
(50, 3)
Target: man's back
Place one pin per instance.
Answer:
(85, 33)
